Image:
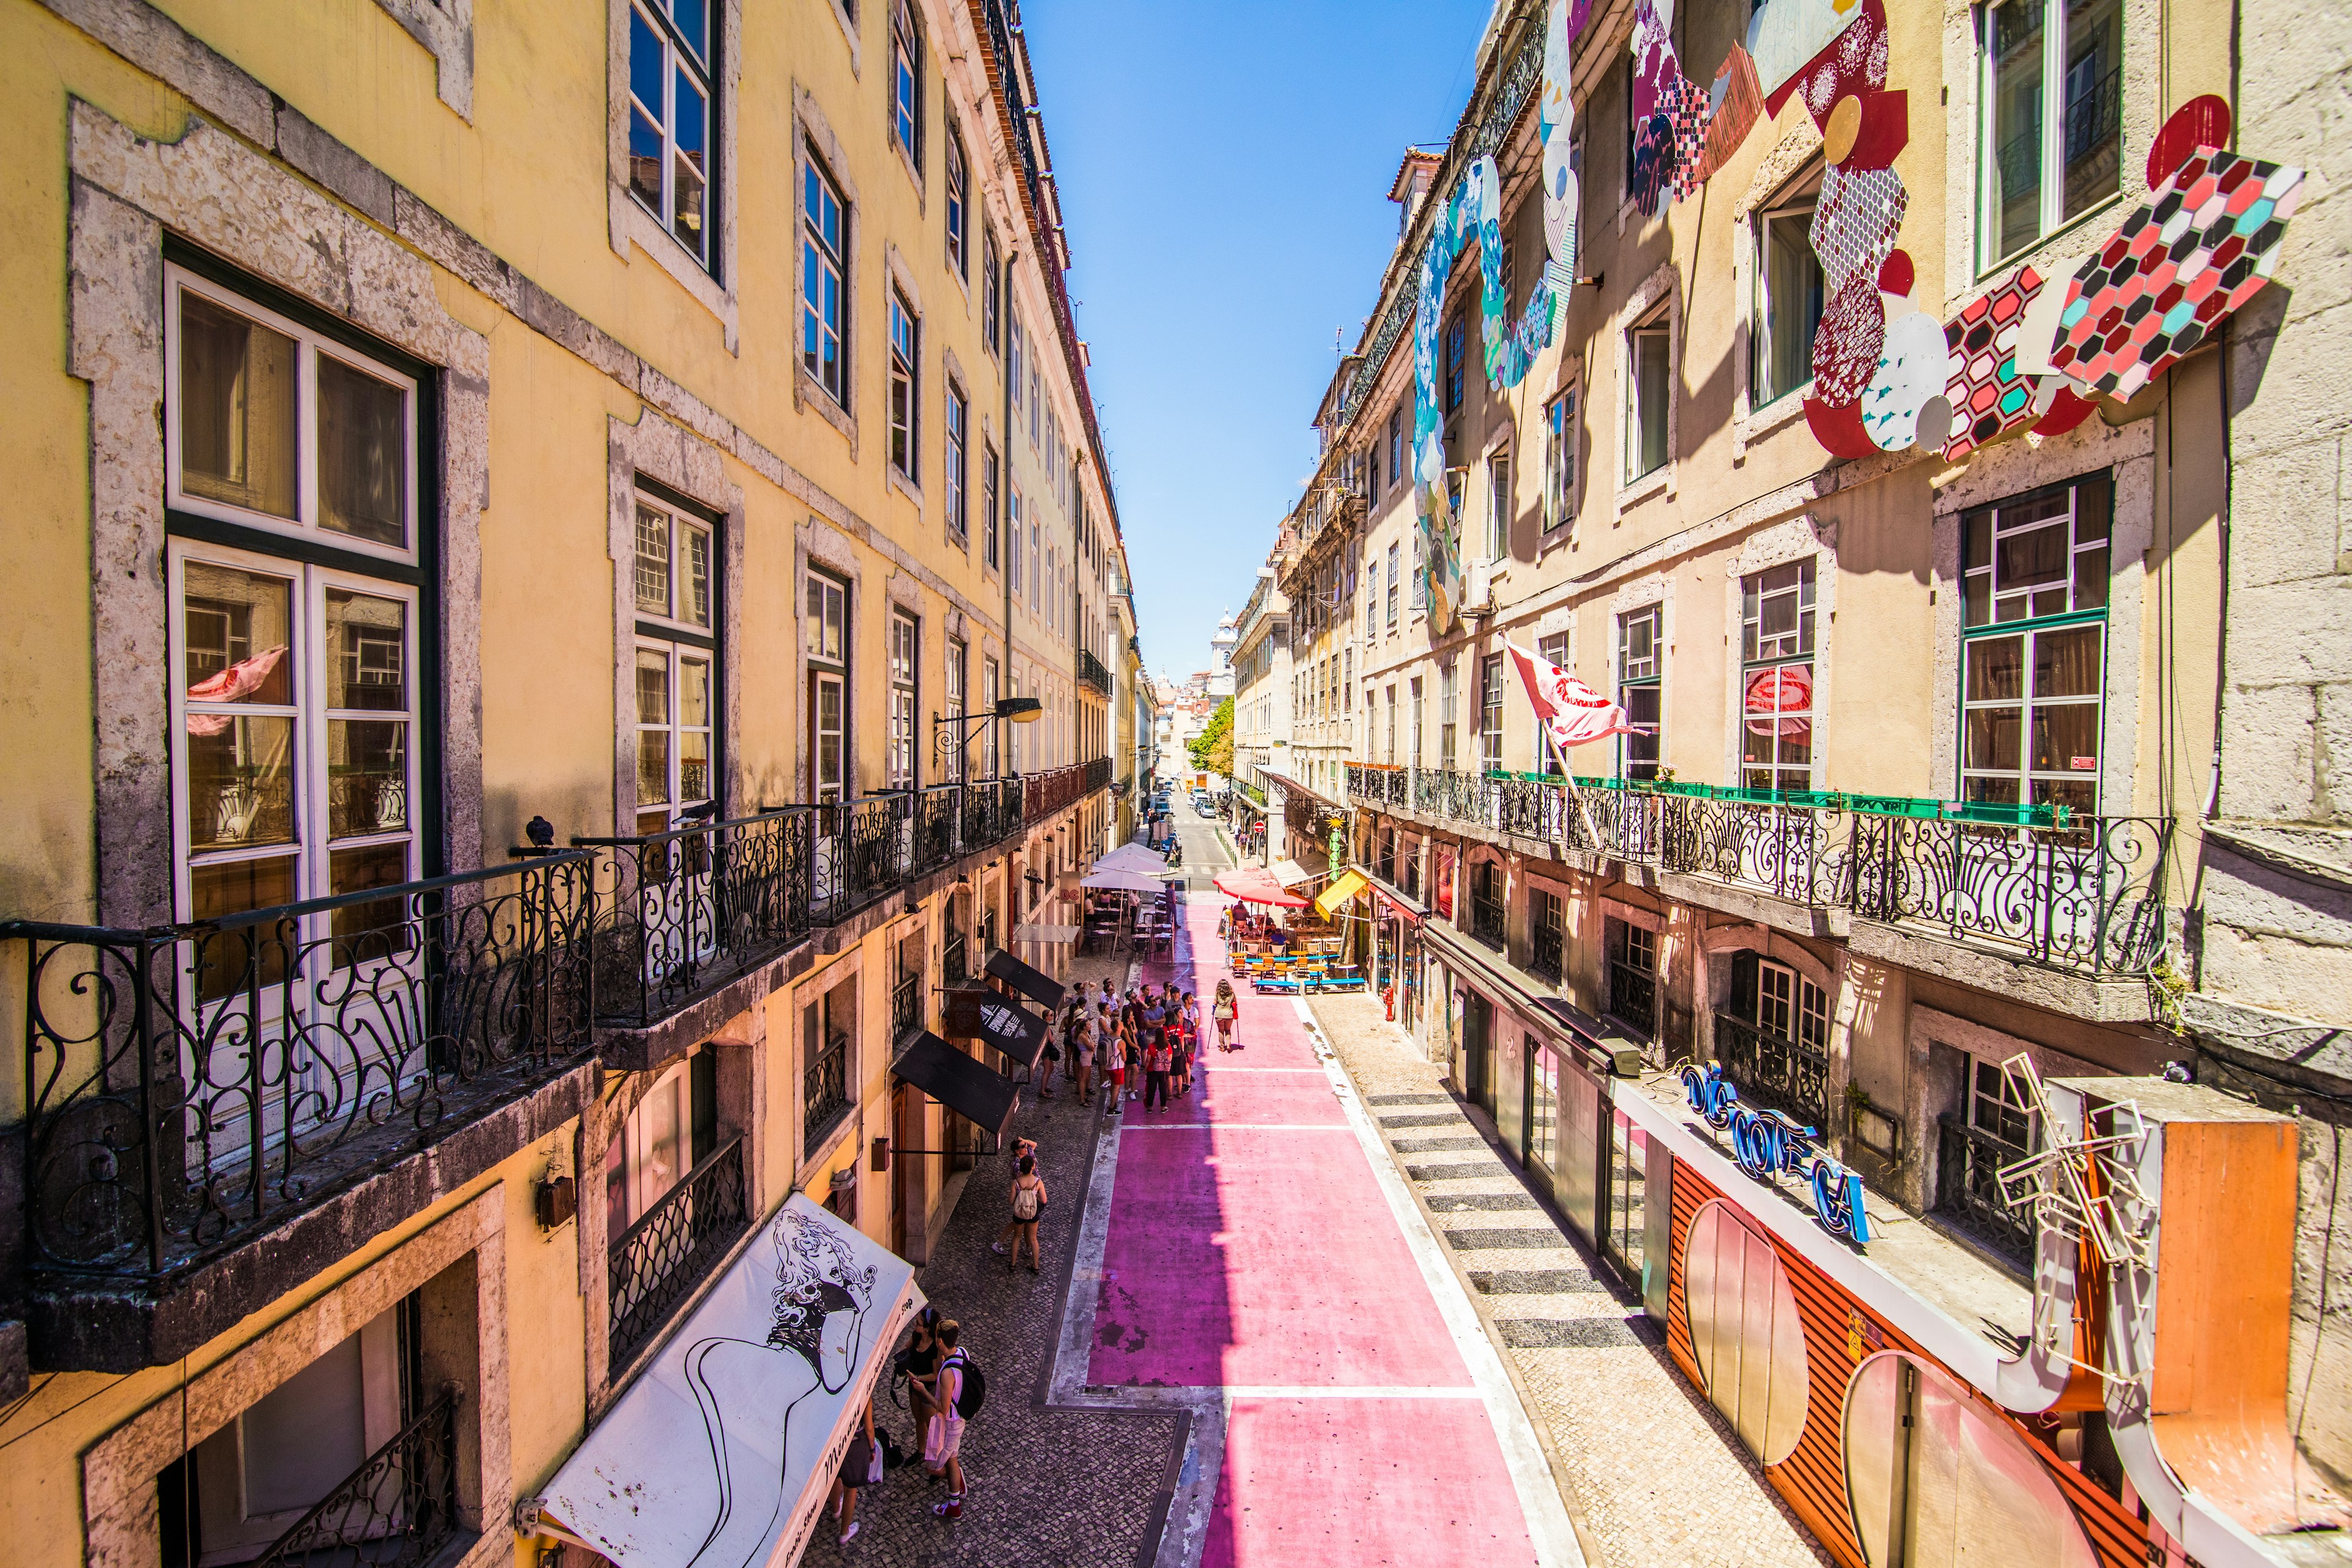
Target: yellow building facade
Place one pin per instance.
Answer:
(520, 602)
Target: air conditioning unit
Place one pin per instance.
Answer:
(1478, 589)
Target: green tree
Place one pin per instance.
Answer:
(1213, 748)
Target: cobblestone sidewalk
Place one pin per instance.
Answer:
(1656, 1476)
(1083, 1487)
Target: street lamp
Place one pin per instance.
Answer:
(948, 735)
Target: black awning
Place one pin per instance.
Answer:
(1045, 991)
(979, 1094)
(976, 1012)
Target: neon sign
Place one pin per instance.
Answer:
(1767, 1145)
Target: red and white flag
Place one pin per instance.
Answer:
(1571, 712)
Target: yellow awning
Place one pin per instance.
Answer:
(1350, 884)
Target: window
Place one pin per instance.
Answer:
(821, 302)
(1036, 561)
(1646, 398)
(669, 116)
(673, 579)
(826, 629)
(1037, 400)
(1458, 350)
(906, 348)
(2037, 177)
(991, 289)
(1448, 690)
(294, 710)
(1413, 696)
(1776, 651)
(1395, 555)
(958, 213)
(1641, 658)
(1498, 506)
(1788, 295)
(2033, 633)
(1546, 935)
(1550, 758)
(988, 504)
(901, 763)
(1012, 559)
(1417, 586)
(1490, 712)
(1559, 461)
(263, 405)
(1396, 447)
(1368, 469)
(907, 82)
(663, 1137)
(989, 684)
(958, 416)
(1348, 680)
(1393, 727)
(1017, 350)
(957, 671)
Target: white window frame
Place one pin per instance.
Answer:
(1635, 675)
(309, 346)
(955, 461)
(905, 655)
(1656, 324)
(696, 644)
(678, 56)
(1759, 653)
(2053, 220)
(1560, 431)
(828, 668)
(824, 260)
(958, 216)
(1794, 205)
(905, 408)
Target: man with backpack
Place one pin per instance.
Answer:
(958, 1391)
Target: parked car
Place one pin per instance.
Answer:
(1203, 805)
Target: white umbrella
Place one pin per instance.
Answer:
(1120, 881)
(1132, 857)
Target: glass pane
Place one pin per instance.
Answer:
(659, 1170)
(693, 766)
(1976, 539)
(645, 158)
(1976, 599)
(2080, 796)
(1997, 790)
(693, 692)
(2016, 152)
(693, 20)
(218, 891)
(696, 610)
(653, 561)
(2066, 738)
(2035, 555)
(1995, 670)
(1792, 275)
(653, 687)
(367, 652)
(240, 780)
(693, 164)
(2067, 663)
(367, 776)
(378, 928)
(2093, 97)
(1649, 400)
(653, 766)
(1991, 740)
(236, 409)
(239, 632)
(2090, 579)
(646, 57)
(363, 454)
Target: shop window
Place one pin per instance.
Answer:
(1776, 633)
(1626, 1220)
(671, 128)
(2041, 170)
(1933, 1477)
(2033, 629)
(1746, 1334)
(1640, 688)
(1788, 294)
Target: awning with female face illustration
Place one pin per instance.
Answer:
(720, 1455)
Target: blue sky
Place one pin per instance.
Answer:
(1224, 167)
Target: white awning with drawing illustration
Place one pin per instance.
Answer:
(720, 1455)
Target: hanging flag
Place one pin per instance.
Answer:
(1571, 712)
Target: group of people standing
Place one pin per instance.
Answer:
(1138, 1043)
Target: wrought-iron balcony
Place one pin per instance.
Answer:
(2082, 893)
(1633, 997)
(1486, 916)
(1093, 672)
(905, 1006)
(825, 1090)
(1779, 1074)
(191, 1088)
(1969, 1193)
(658, 1262)
(398, 1510)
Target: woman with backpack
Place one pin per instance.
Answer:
(1227, 1010)
(943, 1434)
(1028, 1197)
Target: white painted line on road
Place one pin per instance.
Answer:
(1548, 1530)
(1236, 1126)
(1208, 1072)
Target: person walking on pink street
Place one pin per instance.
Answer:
(1028, 1199)
(943, 1435)
(1187, 1041)
(1156, 1058)
(1084, 1043)
(1228, 1013)
(1114, 1062)
(1025, 1150)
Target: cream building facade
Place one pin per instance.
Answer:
(530, 520)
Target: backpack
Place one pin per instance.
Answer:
(973, 1393)
(1026, 1196)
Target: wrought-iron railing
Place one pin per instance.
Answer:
(188, 1087)
(2079, 892)
(1093, 672)
(681, 912)
(953, 962)
(939, 828)
(1408, 872)
(1634, 997)
(825, 1090)
(1969, 1194)
(1779, 1074)
(671, 1248)
(863, 851)
(1043, 794)
(1544, 956)
(396, 1510)
(1485, 915)
(906, 1005)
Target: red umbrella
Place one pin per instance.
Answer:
(1256, 884)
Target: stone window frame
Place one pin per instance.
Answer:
(953, 382)
(446, 29)
(1779, 169)
(814, 141)
(1801, 538)
(677, 460)
(1663, 287)
(899, 278)
(1640, 592)
(212, 190)
(820, 547)
(117, 1471)
(2009, 468)
(715, 287)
